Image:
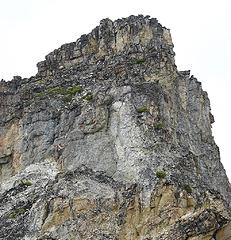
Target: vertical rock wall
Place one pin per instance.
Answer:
(110, 141)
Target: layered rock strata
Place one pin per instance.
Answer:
(110, 141)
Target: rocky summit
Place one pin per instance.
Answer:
(110, 141)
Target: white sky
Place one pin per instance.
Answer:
(200, 29)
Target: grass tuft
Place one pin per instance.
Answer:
(161, 174)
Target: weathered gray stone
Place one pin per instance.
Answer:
(110, 141)
(5, 159)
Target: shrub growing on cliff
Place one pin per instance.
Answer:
(161, 174)
(142, 109)
(73, 90)
(65, 91)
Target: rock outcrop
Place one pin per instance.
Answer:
(110, 141)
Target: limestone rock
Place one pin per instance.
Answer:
(110, 141)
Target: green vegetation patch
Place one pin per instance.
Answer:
(73, 90)
(56, 90)
(40, 81)
(17, 212)
(68, 92)
(65, 91)
(161, 174)
(142, 109)
(188, 188)
(159, 126)
(26, 182)
(139, 61)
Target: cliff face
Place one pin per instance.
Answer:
(110, 141)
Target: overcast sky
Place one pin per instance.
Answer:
(200, 29)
